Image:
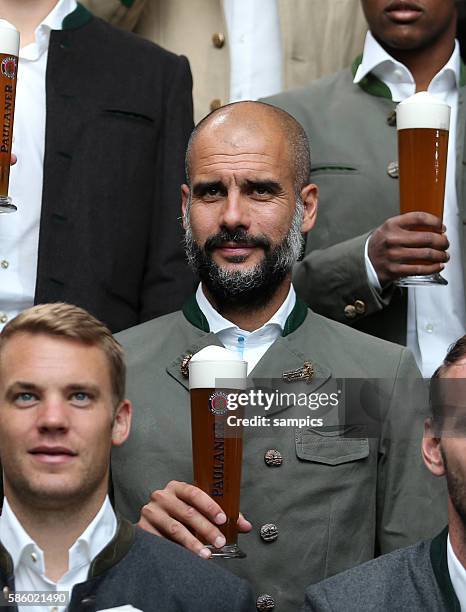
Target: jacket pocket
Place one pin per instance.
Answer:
(332, 445)
(333, 168)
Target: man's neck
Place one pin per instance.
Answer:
(457, 533)
(26, 15)
(56, 530)
(250, 319)
(425, 63)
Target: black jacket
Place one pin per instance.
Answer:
(149, 573)
(119, 113)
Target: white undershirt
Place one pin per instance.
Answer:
(28, 558)
(457, 575)
(255, 48)
(19, 231)
(436, 315)
(250, 345)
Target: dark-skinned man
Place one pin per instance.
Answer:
(361, 243)
(319, 500)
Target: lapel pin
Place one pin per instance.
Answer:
(305, 373)
(184, 365)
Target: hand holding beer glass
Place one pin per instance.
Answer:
(422, 122)
(9, 50)
(214, 372)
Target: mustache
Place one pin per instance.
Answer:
(239, 236)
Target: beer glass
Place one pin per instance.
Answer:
(215, 373)
(9, 50)
(423, 122)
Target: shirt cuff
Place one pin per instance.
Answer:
(371, 273)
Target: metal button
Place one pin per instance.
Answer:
(269, 532)
(218, 39)
(392, 169)
(265, 602)
(360, 307)
(273, 458)
(3, 318)
(5, 264)
(350, 311)
(6, 591)
(34, 557)
(391, 119)
(215, 104)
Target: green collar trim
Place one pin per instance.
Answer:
(196, 317)
(438, 558)
(115, 550)
(374, 86)
(79, 17)
(127, 3)
(370, 83)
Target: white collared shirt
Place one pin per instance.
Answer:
(28, 558)
(250, 345)
(255, 46)
(430, 329)
(457, 575)
(19, 231)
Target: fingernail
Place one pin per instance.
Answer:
(219, 542)
(220, 518)
(204, 553)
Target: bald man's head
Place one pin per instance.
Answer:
(257, 117)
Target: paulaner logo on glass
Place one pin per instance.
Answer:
(267, 400)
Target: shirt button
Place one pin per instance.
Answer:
(4, 264)
(218, 39)
(34, 557)
(3, 318)
(429, 328)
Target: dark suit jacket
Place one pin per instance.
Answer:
(414, 578)
(151, 574)
(119, 113)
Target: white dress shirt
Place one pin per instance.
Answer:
(28, 558)
(436, 315)
(255, 46)
(250, 345)
(19, 231)
(457, 575)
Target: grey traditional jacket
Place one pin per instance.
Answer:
(353, 137)
(341, 495)
(414, 578)
(150, 574)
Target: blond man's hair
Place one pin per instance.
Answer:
(73, 323)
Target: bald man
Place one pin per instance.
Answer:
(319, 498)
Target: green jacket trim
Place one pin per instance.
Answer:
(196, 317)
(79, 17)
(127, 3)
(115, 550)
(438, 558)
(374, 86)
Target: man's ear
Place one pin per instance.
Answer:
(122, 423)
(431, 450)
(310, 198)
(184, 202)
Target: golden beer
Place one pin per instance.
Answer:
(9, 50)
(423, 124)
(216, 446)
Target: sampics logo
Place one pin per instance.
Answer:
(8, 67)
(218, 403)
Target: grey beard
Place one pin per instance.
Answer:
(252, 288)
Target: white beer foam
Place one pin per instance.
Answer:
(423, 111)
(215, 366)
(9, 38)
